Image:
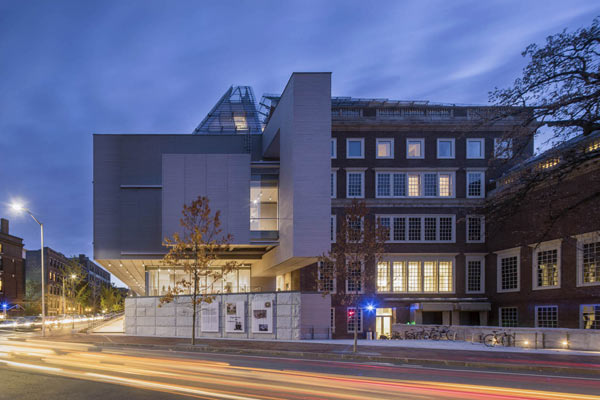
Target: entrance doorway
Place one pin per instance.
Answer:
(383, 322)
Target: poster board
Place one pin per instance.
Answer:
(235, 317)
(262, 315)
(209, 317)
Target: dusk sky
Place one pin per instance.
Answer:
(72, 68)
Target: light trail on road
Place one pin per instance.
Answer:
(271, 378)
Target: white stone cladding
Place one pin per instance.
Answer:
(295, 316)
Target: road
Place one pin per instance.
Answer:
(36, 369)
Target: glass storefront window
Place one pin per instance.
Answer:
(159, 281)
(264, 198)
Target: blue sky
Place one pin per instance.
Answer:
(72, 68)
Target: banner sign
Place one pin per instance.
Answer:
(209, 317)
(262, 316)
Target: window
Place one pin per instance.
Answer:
(546, 316)
(425, 276)
(332, 319)
(508, 270)
(503, 148)
(546, 267)
(333, 184)
(326, 277)
(427, 228)
(333, 228)
(384, 222)
(355, 184)
(588, 259)
(414, 185)
(333, 148)
(509, 317)
(354, 228)
(475, 183)
(399, 185)
(354, 281)
(355, 148)
(430, 185)
(384, 185)
(475, 229)
(240, 122)
(415, 148)
(590, 316)
(475, 148)
(383, 277)
(445, 182)
(475, 274)
(445, 148)
(385, 148)
(354, 320)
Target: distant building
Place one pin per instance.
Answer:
(54, 263)
(12, 274)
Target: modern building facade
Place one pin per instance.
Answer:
(12, 273)
(423, 170)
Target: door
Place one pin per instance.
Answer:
(383, 322)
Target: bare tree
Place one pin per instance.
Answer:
(556, 99)
(198, 250)
(359, 242)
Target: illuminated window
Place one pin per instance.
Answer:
(414, 276)
(445, 276)
(415, 148)
(399, 277)
(475, 148)
(475, 184)
(414, 185)
(594, 146)
(429, 278)
(547, 268)
(591, 262)
(355, 181)
(385, 148)
(445, 148)
(445, 185)
(590, 316)
(546, 316)
(383, 277)
(240, 123)
(509, 317)
(355, 148)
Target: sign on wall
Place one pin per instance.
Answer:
(262, 316)
(209, 317)
(235, 317)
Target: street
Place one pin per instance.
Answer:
(39, 369)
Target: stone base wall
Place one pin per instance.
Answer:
(533, 338)
(145, 316)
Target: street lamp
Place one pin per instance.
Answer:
(20, 208)
(73, 276)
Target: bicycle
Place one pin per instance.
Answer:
(498, 337)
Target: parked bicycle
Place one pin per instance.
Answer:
(498, 338)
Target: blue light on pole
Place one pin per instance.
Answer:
(370, 307)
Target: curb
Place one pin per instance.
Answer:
(353, 357)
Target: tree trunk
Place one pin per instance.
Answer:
(194, 308)
(355, 335)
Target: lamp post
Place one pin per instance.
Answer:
(19, 208)
(73, 276)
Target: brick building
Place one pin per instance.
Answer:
(12, 273)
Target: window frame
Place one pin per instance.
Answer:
(362, 148)
(505, 153)
(482, 190)
(583, 239)
(422, 235)
(362, 280)
(334, 183)
(358, 313)
(546, 246)
(536, 321)
(403, 263)
(452, 148)
(422, 143)
(360, 171)
(500, 316)
(421, 185)
(514, 252)
(481, 259)
(333, 150)
(333, 228)
(481, 228)
(333, 279)
(482, 143)
(391, 141)
(581, 321)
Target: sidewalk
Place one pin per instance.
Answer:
(457, 354)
